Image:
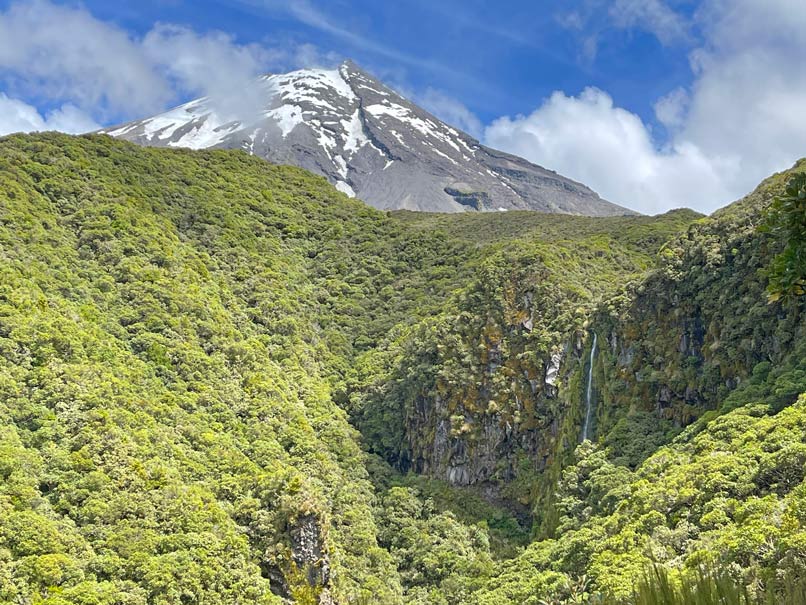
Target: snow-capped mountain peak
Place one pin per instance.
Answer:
(369, 141)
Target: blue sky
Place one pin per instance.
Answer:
(654, 103)
(497, 58)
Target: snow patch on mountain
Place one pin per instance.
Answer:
(356, 137)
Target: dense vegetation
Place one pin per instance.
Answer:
(695, 343)
(188, 339)
(459, 377)
(786, 221)
(168, 429)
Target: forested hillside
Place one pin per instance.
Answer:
(702, 344)
(222, 381)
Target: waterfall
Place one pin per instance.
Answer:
(589, 392)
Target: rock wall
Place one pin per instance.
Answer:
(300, 570)
(680, 341)
(483, 439)
(493, 408)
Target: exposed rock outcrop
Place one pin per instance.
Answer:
(304, 566)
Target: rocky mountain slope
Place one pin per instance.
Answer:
(369, 142)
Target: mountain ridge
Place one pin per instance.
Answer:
(368, 141)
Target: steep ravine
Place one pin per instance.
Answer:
(488, 393)
(501, 392)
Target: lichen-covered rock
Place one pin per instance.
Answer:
(494, 409)
(686, 336)
(303, 566)
(309, 552)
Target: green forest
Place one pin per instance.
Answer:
(224, 382)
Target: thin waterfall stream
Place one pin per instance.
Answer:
(589, 392)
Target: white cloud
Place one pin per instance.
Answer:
(18, 116)
(212, 65)
(651, 15)
(593, 20)
(65, 55)
(739, 121)
(610, 149)
(69, 118)
(310, 55)
(671, 109)
(749, 94)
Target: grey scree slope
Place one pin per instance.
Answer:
(368, 141)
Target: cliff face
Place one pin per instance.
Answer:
(482, 392)
(679, 342)
(700, 444)
(510, 417)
